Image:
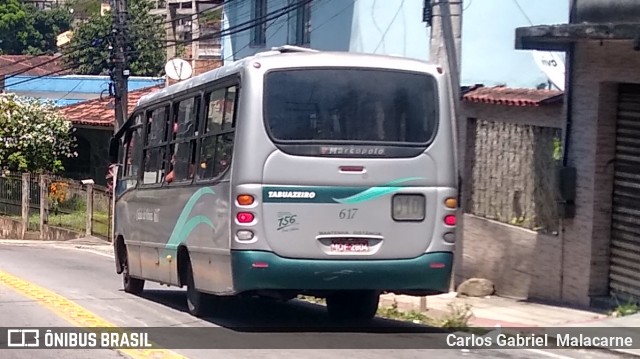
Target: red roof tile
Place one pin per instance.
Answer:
(42, 65)
(101, 113)
(513, 96)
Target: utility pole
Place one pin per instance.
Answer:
(121, 73)
(445, 18)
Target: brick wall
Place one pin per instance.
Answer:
(597, 69)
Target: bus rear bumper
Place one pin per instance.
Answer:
(259, 270)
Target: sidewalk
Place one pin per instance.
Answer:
(486, 312)
(508, 313)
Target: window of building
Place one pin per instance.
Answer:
(300, 22)
(216, 146)
(259, 31)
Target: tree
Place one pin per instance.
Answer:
(25, 29)
(35, 137)
(48, 24)
(89, 48)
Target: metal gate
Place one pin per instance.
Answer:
(624, 272)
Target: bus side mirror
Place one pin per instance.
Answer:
(114, 148)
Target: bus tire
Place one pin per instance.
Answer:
(131, 285)
(353, 305)
(198, 303)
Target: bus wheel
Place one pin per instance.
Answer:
(353, 305)
(198, 303)
(130, 284)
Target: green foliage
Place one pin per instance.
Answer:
(629, 308)
(34, 137)
(25, 29)
(146, 53)
(557, 148)
(458, 317)
(413, 316)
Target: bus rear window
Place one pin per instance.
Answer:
(350, 106)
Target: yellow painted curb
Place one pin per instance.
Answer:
(77, 315)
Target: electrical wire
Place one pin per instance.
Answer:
(282, 25)
(389, 27)
(274, 15)
(523, 12)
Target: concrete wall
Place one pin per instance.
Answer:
(597, 69)
(12, 229)
(522, 263)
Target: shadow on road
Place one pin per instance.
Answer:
(256, 323)
(266, 315)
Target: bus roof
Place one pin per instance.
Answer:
(283, 55)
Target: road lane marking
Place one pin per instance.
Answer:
(76, 315)
(548, 354)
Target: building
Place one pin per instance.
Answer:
(44, 4)
(601, 231)
(69, 89)
(194, 27)
(93, 120)
(338, 25)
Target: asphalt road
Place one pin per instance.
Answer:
(89, 280)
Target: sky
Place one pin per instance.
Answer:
(489, 56)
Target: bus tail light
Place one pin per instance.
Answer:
(245, 199)
(244, 235)
(450, 220)
(451, 203)
(245, 217)
(449, 237)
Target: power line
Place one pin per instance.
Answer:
(274, 15)
(245, 25)
(523, 12)
(232, 56)
(389, 27)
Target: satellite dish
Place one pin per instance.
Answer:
(178, 69)
(552, 65)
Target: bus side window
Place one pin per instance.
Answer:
(183, 146)
(155, 147)
(217, 140)
(132, 156)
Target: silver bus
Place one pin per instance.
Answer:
(291, 172)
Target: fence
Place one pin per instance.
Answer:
(513, 174)
(44, 200)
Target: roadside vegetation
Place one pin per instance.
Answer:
(622, 310)
(457, 318)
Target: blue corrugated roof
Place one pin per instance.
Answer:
(72, 84)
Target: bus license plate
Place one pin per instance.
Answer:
(357, 245)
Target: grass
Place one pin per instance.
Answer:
(457, 318)
(623, 310)
(75, 221)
